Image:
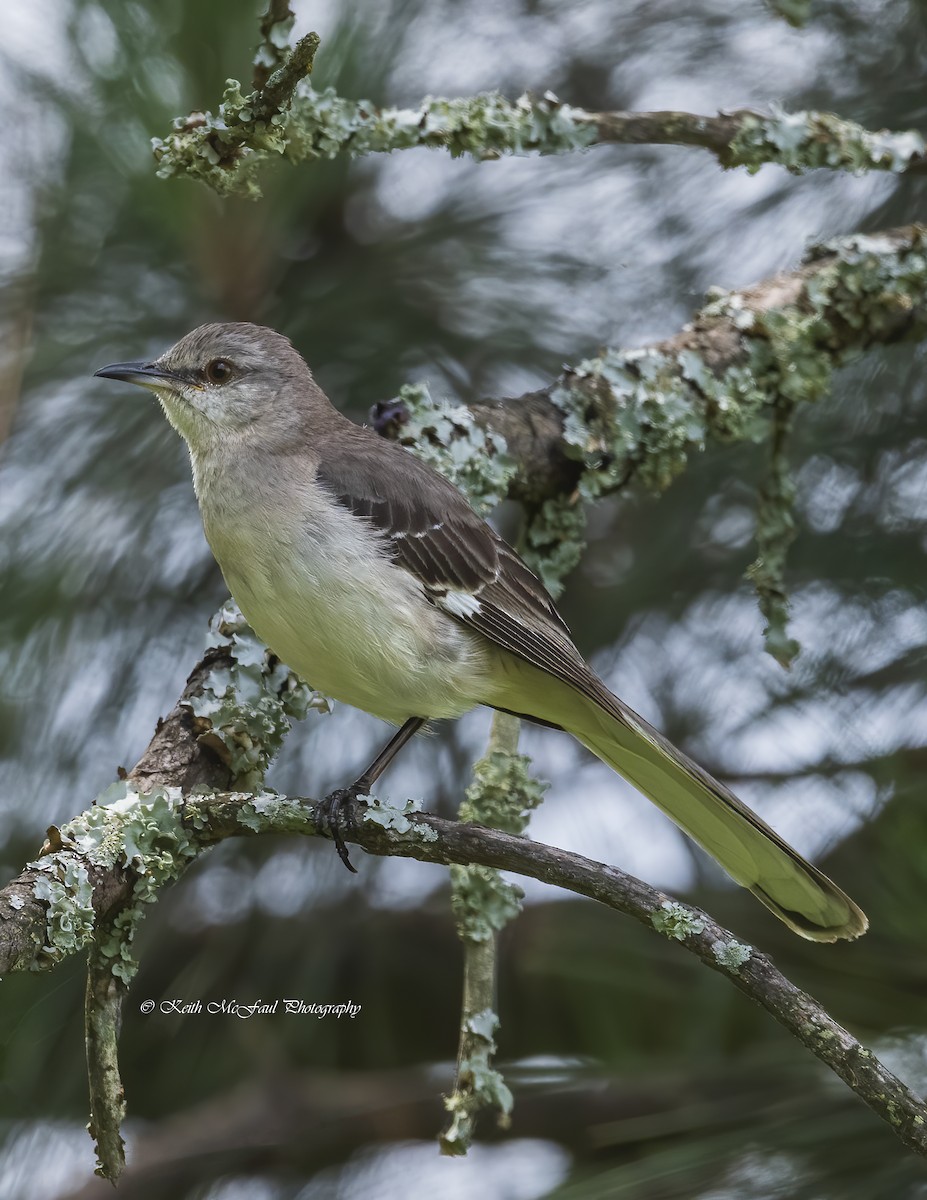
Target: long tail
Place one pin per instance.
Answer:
(752, 854)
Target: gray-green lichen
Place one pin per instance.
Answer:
(503, 791)
(804, 141)
(731, 954)
(142, 832)
(66, 888)
(640, 413)
(643, 412)
(479, 1085)
(247, 708)
(223, 150)
(274, 49)
(446, 436)
(153, 835)
(629, 411)
(775, 532)
(484, 126)
(301, 124)
(482, 902)
(553, 540)
(265, 811)
(676, 921)
(397, 819)
(502, 795)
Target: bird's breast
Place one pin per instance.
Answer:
(315, 583)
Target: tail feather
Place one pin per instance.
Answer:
(752, 853)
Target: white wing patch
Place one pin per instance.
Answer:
(422, 533)
(460, 604)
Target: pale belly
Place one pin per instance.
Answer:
(355, 628)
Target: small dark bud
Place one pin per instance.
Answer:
(387, 417)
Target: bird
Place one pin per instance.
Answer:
(371, 576)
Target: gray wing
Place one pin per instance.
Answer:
(461, 563)
(469, 572)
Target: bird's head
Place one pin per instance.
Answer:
(225, 383)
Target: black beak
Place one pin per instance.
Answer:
(148, 375)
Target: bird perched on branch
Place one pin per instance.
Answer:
(372, 577)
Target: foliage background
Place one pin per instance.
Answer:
(636, 1073)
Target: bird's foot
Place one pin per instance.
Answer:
(336, 812)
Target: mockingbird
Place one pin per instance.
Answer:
(372, 577)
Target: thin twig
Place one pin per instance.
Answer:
(272, 50)
(277, 94)
(482, 902)
(324, 125)
(102, 1021)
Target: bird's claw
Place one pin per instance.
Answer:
(336, 811)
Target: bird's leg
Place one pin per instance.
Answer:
(337, 806)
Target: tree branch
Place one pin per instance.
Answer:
(799, 141)
(276, 26)
(501, 795)
(203, 820)
(102, 1022)
(639, 414)
(223, 151)
(228, 723)
(90, 886)
(230, 146)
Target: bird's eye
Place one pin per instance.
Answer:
(219, 371)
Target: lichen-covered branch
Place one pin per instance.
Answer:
(638, 415)
(97, 874)
(799, 141)
(230, 720)
(203, 820)
(775, 532)
(102, 1021)
(502, 795)
(224, 150)
(274, 47)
